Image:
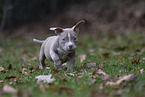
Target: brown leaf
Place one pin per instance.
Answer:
(10, 67)
(9, 77)
(101, 72)
(9, 89)
(4, 71)
(23, 71)
(106, 55)
(135, 61)
(15, 79)
(56, 71)
(117, 84)
(121, 59)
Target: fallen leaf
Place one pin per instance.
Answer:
(56, 71)
(105, 76)
(67, 76)
(48, 68)
(117, 84)
(9, 89)
(140, 71)
(121, 59)
(10, 67)
(15, 79)
(35, 58)
(10, 77)
(101, 72)
(135, 61)
(23, 71)
(70, 74)
(4, 71)
(64, 64)
(44, 78)
(1, 68)
(82, 57)
(106, 55)
(10, 83)
(1, 81)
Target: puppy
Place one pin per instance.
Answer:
(61, 48)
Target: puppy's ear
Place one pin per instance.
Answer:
(76, 27)
(57, 30)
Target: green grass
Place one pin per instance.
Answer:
(105, 51)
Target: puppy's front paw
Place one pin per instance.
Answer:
(43, 67)
(58, 67)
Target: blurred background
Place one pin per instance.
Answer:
(35, 17)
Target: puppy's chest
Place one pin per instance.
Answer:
(62, 55)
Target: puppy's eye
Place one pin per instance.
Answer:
(75, 38)
(63, 39)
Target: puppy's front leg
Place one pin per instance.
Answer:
(42, 58)
(71, 63)
(57, 61)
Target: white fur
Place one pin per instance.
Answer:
(38, 41)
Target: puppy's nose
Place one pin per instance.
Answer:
(70, 46)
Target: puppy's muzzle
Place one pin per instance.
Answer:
(71, 47)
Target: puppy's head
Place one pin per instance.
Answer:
(68, 36)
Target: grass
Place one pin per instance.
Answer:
(105, 51)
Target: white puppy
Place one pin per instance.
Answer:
(60, 48)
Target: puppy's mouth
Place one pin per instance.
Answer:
(70, 50)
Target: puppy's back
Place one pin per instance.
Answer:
(50, 44)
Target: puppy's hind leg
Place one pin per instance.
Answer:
(42, 59)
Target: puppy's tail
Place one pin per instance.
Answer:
(38, 41)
